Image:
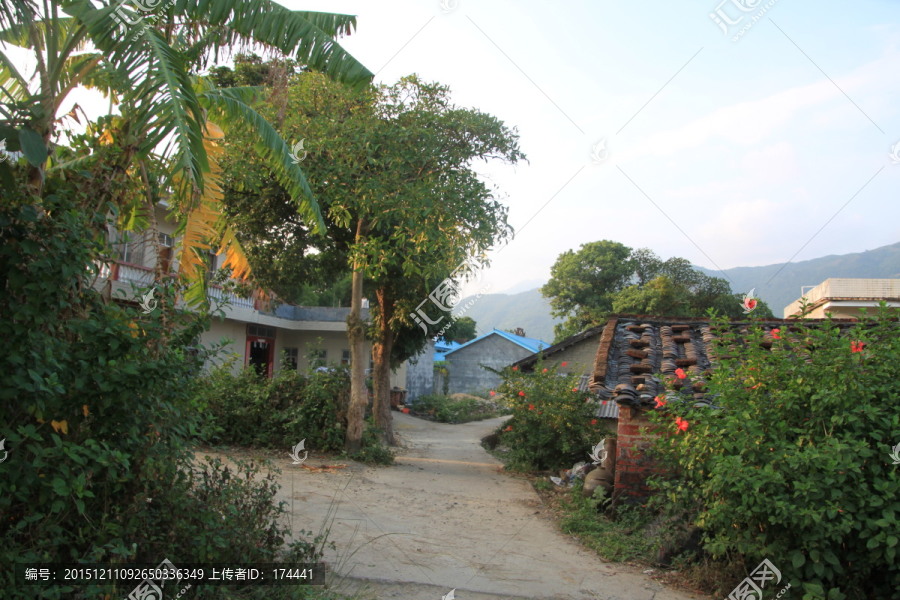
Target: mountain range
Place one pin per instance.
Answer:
(778, 285)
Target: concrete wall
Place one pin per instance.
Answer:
(334, 343)
(420, 373)
(579, 358)
(467, 376)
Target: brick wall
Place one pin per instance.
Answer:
(633, 466)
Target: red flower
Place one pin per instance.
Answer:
(593, 421)
(604, 402)
(515, 368)
(660, 401)
(508, 428)
(531, 407)
(680, 374)
(493, 393)
(681, 424)
(575, 389)
(522, 394)
(857, 346)
(544, 371)
(775, 333)
(564, 363)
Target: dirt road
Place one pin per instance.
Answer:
(445, 517)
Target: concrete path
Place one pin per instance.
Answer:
(446, 517)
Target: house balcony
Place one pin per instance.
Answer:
(125, 274)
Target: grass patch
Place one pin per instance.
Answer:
(459, 408)
(624, 539)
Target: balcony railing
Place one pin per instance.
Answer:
(219, 294)
(143, 276)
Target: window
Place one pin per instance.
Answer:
(289, 356)
(345, 357)
(130, 249)
(210, 259)
(318, 357)
(166, 251)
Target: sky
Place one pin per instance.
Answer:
(730, 133)
(762, 140)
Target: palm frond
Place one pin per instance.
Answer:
(12, 83)
(14, 12)
(235, 257)
(161, 99)
(304, 36)
(199, 230)
(228, 104)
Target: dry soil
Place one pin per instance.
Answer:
(447, 517)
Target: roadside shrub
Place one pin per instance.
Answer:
(552, 424)
(244, 409)
(446, 409)
(373, 450)
(96, 412)
(793, 463)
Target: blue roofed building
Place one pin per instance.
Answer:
(441, 348)
(466, 372)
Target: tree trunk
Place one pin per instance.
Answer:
(381, 372)
(356, 335)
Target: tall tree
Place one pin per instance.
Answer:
(582, 284)
(462, 330)
(402, 204)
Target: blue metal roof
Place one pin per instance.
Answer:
(441, 348)
(530, 344)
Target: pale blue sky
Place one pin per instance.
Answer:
(750, 148)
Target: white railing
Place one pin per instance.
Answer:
(858, 289)
(233, 299)
(135, 274)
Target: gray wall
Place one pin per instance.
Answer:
(420, 373)
(579, 358)
(466, 374)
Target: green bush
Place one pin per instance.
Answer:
(245, 410)
(449, 410)
(97, 413)
(373, 450)
(553, 424)
(794, 464)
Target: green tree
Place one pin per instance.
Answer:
(607, 277)
(462, 330)
(392, 167)
(660, 296)
(582, 284)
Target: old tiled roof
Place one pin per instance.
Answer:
(634, 350)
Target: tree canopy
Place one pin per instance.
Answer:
(607, 277)
(392, 169)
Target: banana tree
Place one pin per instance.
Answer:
(144, 61)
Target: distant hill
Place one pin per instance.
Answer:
(880, 263)
(528, 310)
